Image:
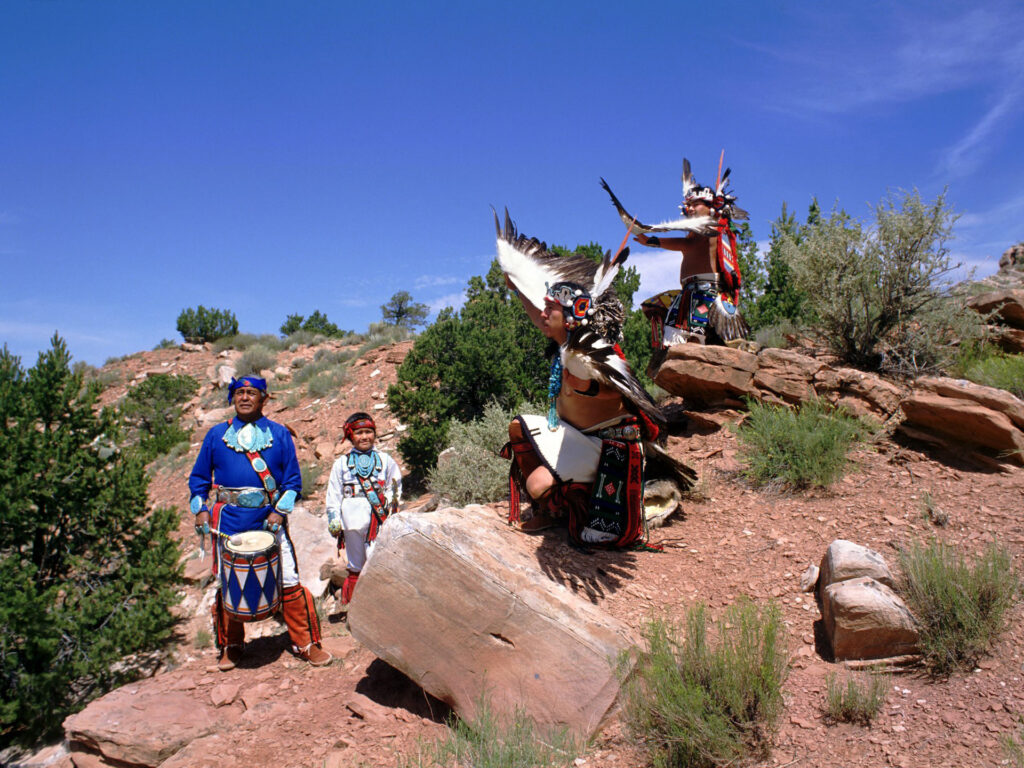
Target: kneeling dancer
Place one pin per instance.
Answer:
(364, 489)
(253, 463)
(584, 460)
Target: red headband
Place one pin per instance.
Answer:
(359, 424)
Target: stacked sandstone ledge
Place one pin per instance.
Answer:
(985, 422)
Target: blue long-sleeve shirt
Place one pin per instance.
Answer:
(223, 461)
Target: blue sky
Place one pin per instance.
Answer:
(272, 157)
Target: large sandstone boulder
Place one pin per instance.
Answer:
(866, 620)
(708, 374)
(845, 560)
(456, 600)
(313, 545)
(966, 422)
(140, 727)
(1007, 303)
(990, 397)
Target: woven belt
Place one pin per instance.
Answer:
(251, 498)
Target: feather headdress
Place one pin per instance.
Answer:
(718, 199)
(590, 348)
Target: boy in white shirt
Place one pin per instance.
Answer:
(365, 487)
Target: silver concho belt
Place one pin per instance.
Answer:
(250, 498)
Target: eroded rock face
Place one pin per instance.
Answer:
(708, 374)
(867, 620)
(965, 422)
(1007, 303)
(845, 560)
(455, 600)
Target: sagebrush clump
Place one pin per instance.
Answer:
(801, 447)
(701, 697)
(474, 472)
(858, 701)
(489, 741)
(961, 605)
(880, 294)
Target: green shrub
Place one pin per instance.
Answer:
(475, 473)
(166, 344)
(303, 338)
(402, 311)
(961, 606)
(153, 409)
(201, 324)
(777, 335)
(932, 512)
(89, 574)
(316, 324)
(203, 639)
(492, 742)
(255, 359)
(859, 701)
(1013, 746)
(244, 341)
(998, 370)
(879, 294)
(310, 474)
(381, 334)
(797, 447)
(697, 703)
(327, 382)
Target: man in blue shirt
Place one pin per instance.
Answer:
(252, 460)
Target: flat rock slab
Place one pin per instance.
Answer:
(456, 600)
(141, 727)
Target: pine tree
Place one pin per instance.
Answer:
(89, 574)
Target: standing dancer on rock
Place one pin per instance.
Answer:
(364, 489)
(583, 462)
(252, 459)
(706, 309)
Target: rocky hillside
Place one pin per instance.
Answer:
(728, 541)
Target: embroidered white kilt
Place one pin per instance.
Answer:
(570, 454)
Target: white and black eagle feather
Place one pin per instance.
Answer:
(588, 352)
(700, 225)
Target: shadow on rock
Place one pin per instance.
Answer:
(590, 574)
(388, 687)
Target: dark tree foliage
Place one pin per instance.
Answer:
(488, 350)
(153, 409)
(780, 299)
(202, 324)
(89, 575)
(315, 323)
(402, 311)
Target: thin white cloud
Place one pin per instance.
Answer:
(964, 156)
(436, 281)
(908, 57)
(41, 333)
(659, 271)
(453, 300)
(1008, 210)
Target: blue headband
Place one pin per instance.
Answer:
(246, 381)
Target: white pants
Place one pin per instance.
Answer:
(289, 568)
(355, 516)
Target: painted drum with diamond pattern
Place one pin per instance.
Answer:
(250, 575)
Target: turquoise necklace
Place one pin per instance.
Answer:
(554, 387)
